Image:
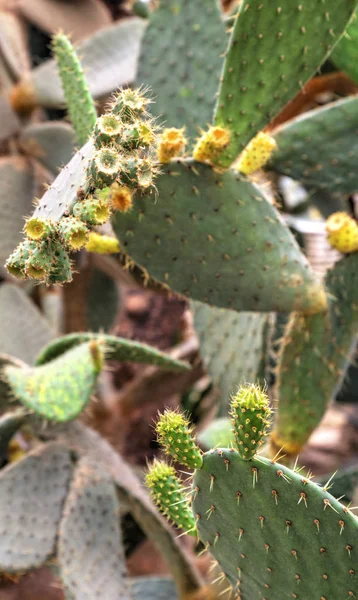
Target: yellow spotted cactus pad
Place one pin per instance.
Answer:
(342, 232)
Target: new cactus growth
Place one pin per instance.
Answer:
(273, 532)
(342, 232)
(120, 197)
(169, 494)
(73, 232)
(107, 130)
(256, 154)
(175, 435)
(105, 165)
(250, 416)
(39, 261)
(92, 211)
(171, 144)
(211, 144)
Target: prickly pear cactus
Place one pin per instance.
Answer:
(273, 532)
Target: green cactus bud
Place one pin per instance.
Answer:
(139, 173)
(130, 104)
(174, 434)
(73, 232)
(80, 105)
(105, 166)
(250, 412)
(168, 493)
(138, 134)
(61, 271)
(38, 229)
(39, 261)
(107, 130)
(15, 264)
(92, 211)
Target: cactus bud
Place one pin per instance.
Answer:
(61, 271)
(92, 211)
(107, 130)
(256, 154)
(73, 232)
(211, 144)
(250, 416)
(105, 166)
(15, 264)
(174, 435)
(120, 197)
(171, 144)
(130, 104)
(102, 244)
(342, 232)
(167, 491)
(39, 261)
(38, 229)
(138, 134)
(139, 173)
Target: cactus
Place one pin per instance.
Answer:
(174, 435)
(274, 49)
(221, 234)
(102, 244)
(59, 390)
(256, 154)
(342, 232)
(52, 144)
(272, 531)
(344, 53)
(103, 301)
(250, 418)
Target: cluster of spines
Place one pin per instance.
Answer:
(250, 417)
(168, 493)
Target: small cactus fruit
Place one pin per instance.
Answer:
(138, 134)
(38, 229)
(73, 232)
(61, 271)
(171, 144)
(105, 166)
(342, 232)
(256, 154)
(168, 493)
(120, 197)
(211, 144)
(102, 244)
(174, 434)
(139, 173)
(250, 416)
(130, 104)
(39, 261)
(15, 264)
(92, 211)
(107, 130)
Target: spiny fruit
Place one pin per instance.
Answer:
(92, 211)
(171, 144)
(39, 261)
(211, 144)
(168, 493)
(130, 104)
(106, 164)
(102, 244)
(250, 416)
(256, 154)
(73, 232)
(37, 228)
(15, 264)
(174, 434)
(107, 130)
(342, 232)
(120, 197)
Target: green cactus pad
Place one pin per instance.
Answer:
(16, 262)
(319, 148)
(116, 348)
(39, 261)
(153, 588)
(250, 417)
(168, 493)
(215, 238)
(274, 533)
(79, 101)
(61, 389)
(275, 48)
(32, 493)
(314, 356)
(344, 482)
(52, 143)
(6, 395)
(109, 60)
(175, 436)
(92, 211)
(90, 552)
(218, 433)
(231, 346)
(24, 331)
(103, 301)
(61, 271)
(181, 60)
(73, 232)
(344, 55)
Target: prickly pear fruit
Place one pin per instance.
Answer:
(174, 434)
(342, 232)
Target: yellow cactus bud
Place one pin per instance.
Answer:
(342, 232)
(121, 197)
(211, 144)
(256, 154)
(102, 244)
(171, 144)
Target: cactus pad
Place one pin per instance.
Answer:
(319, 148)
(181, 59)
(115, 349)
(90, 552)
(344, 55)
(274, 533)
(59, 390)
(175, 436)
(32, 492)
(250, 417)
(275, 47)
(52, 144)
(216, 239)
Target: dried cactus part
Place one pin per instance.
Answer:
(32, 493)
